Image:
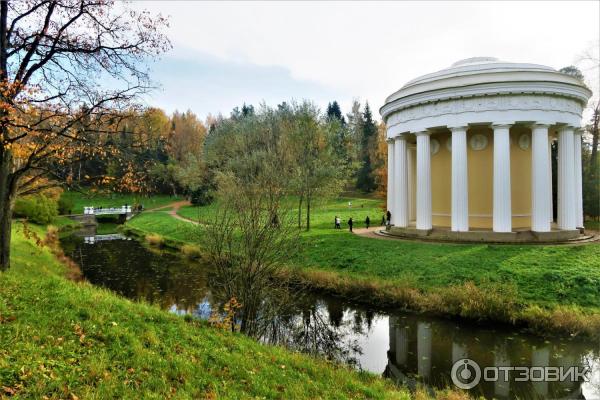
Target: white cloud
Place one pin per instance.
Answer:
(370, 49)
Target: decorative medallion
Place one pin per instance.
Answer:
(449, 144)
(478, 142)
(435, 146)
(524, 141)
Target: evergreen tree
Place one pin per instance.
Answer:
(365, 179)
(334, 112)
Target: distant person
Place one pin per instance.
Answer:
(350, 223)
(389, 217)
(338, 222)
(383, 220)
(349, 204)
(367, 222)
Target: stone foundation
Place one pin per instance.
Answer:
(524, 236)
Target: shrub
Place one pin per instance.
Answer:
(65, 205)
(155, 240)
(36, 208)
(191, 251)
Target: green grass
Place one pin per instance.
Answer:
(60, 339)
(88, 199)
(543, 275)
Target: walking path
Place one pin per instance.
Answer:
(372, 233)
(174, 207)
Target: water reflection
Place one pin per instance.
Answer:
(425, 352)
(406, 348)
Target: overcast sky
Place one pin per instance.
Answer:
(228, 53)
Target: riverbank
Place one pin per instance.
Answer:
(63, 339)
(549, 289)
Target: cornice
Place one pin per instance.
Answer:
(578, 93)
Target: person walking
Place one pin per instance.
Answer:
(389, 217)
(368, 222)
(383, 220)
(350, 223)
(338, 222)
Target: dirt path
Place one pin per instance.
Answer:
(174, 207)
(372, 233)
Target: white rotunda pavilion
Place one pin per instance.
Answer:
(469, 152)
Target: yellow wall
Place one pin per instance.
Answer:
(520, 178)
(481, 178)
(441, 182)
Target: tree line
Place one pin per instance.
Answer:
(325, 153)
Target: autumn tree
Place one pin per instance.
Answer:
(65, 67)
(319, 171)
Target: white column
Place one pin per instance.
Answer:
(460, 179)
(566, 180)
(540, 163)
(423, 181)
(578, 179)
(550, 197)
(410, 159)
(502, 203)
(390, 183)
(401, 182)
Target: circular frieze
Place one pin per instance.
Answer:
(478, 142)
(435, 146)
(524, 141)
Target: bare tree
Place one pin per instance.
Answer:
(64, 63)
(253, 235)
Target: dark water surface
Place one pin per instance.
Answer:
(404, 347)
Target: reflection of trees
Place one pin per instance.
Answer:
(134, 271)
(309, 327)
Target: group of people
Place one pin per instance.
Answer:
(385, 220)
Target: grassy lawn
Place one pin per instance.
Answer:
(542, 275)
(60, 339)
(81, 200)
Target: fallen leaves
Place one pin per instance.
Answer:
(7, 319)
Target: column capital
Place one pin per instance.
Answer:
(567, 128)
(422, 133)
(502, 125)
(401, 137)
(542, 125)
(578, 131)
(458, 128)
(390, 140)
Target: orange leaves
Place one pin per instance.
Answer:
(79, 332)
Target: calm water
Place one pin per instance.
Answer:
(404, 347)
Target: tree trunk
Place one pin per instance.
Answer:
(6, 206)
(7, 184)
(308, 211)
(300, 212)
(595, 134)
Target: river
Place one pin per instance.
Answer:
(407, 348)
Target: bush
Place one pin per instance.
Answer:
(202, 196)
(155, 240)
(65, 205)
(36, 208)
(191, 251)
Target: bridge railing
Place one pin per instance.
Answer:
(107, 210)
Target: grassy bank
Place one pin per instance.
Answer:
(550, 288)
(60, 339)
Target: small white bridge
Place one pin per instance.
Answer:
(107, 210)
(103, 238)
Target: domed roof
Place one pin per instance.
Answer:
(482, 76)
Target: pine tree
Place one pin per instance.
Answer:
(365, 179)
(334, 112)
